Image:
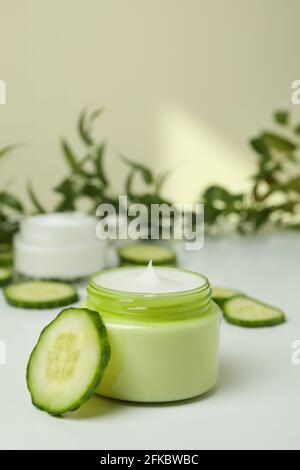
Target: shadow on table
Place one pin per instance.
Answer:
(98, 406)
(240, 371)
(95, 407)
(233, 374)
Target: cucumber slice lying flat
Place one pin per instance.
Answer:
(5, 276)
(245, 311)
(6, 258)
(67, 364)
(40, 294)
(6, 254)
(142, 253)
(220, 294)
(5, 247)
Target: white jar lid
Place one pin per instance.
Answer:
(58, 227)
(59, 245)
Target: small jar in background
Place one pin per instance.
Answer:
(59, 246)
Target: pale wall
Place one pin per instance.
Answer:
(183, 81)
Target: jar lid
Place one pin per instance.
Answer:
(69, 227)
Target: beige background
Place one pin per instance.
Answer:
(182, 80)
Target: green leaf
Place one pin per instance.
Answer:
(95, 114)
(297, 129)
(288, 206)
(99, 164)
(85, 124)
(215, 194)
(218, 202)
(11, 201)
(5, 150)
(211, 214)
(256, 208)
(35, 201)
(281, 117)
(149, 198)
(293, 184)
(70, 158)
(8, 228)
(261, 217)
(83, 130)
(145, 171)
(91, 191)
(128, 185)
(67, 190)
(279, 143)
(261, 147)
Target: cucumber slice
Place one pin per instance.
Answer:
(67, 363)
(6, 258)
(40, 294)
(5, 276)
(220, 294)
(6, 255)
(142, 253)
(245, 311)
(5, 247)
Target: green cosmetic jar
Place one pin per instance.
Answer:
(164, 346)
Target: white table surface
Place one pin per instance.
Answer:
(256, 403)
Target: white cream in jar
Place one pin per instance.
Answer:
(149, 280)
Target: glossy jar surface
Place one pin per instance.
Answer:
(164, 347)
(59, 246)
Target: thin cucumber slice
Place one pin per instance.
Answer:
(245, 311)
(67, 364)
(5, 276)
(6, 258)
(220, 294)
(40, 294)
(142, 253)
(5, 247)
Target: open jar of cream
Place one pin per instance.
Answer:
(59, 246)
(163, 330)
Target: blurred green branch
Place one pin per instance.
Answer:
(87, 178)
(10, 206)
(273, 199)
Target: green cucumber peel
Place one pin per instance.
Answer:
(140, 254)
(221, 294)
(5, 276)
(6, 259)
(34, 294)
(251, 313)
(48, 382)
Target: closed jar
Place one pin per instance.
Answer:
(59, 246)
